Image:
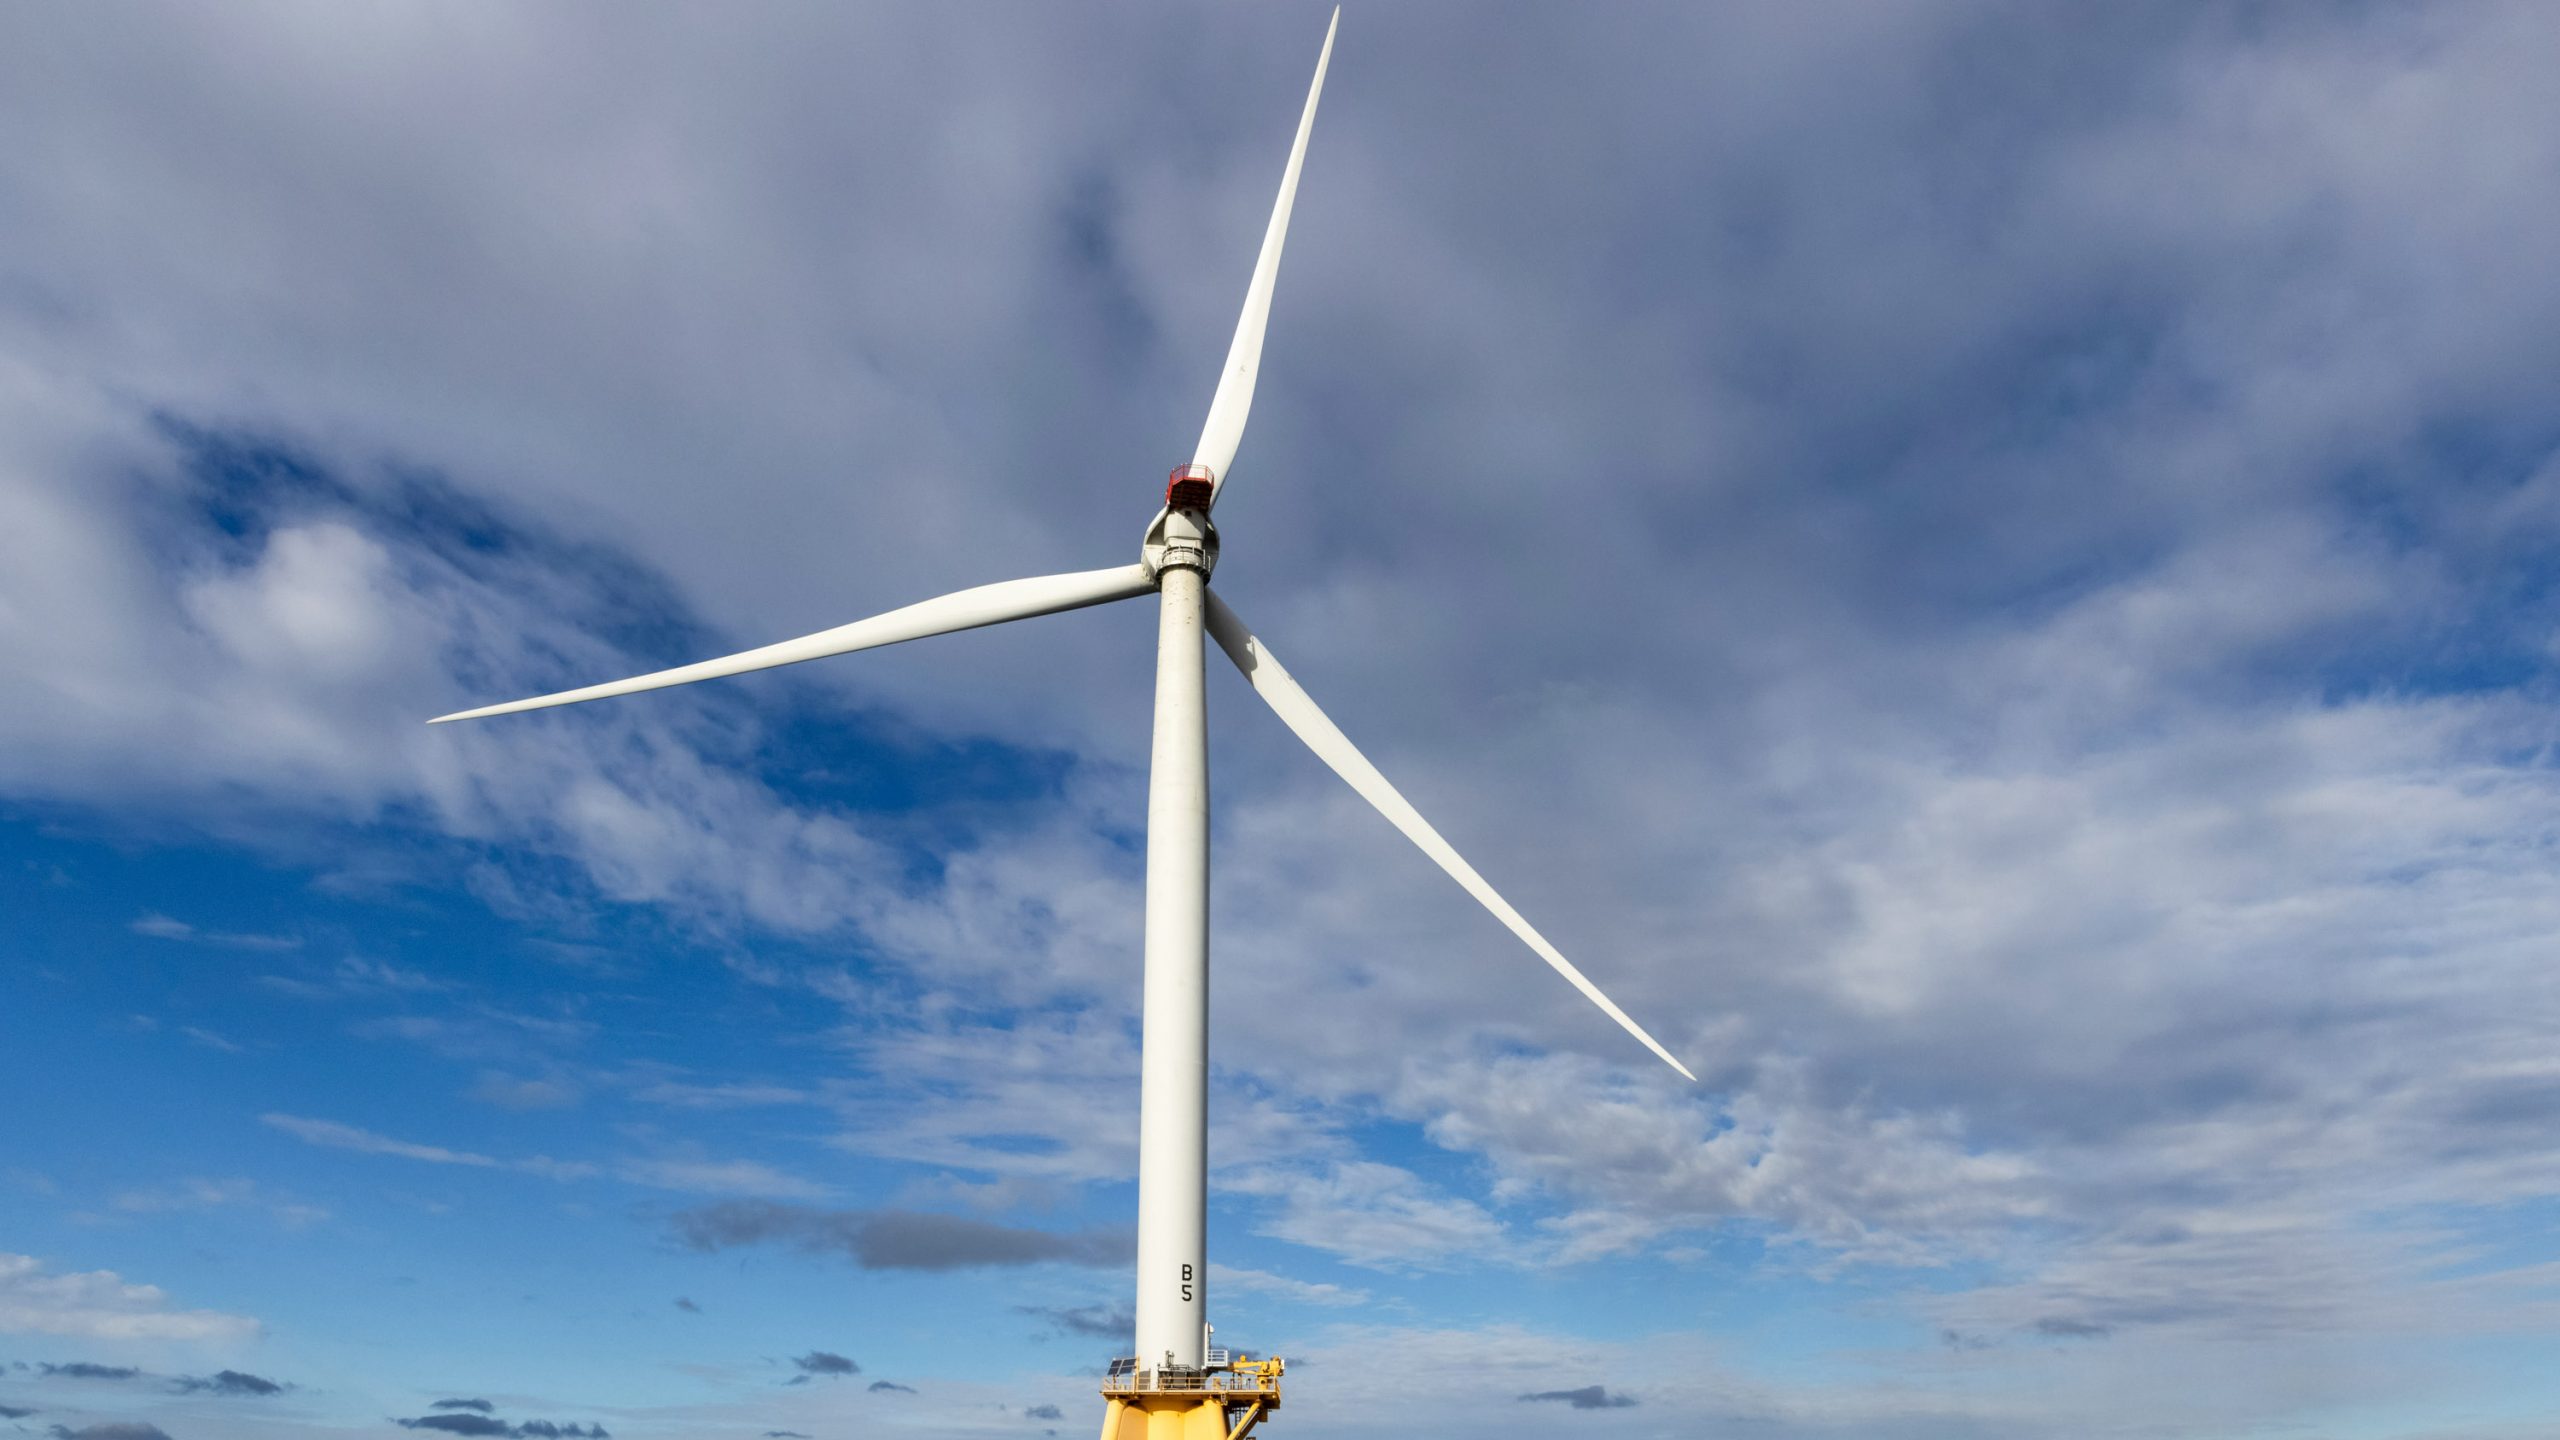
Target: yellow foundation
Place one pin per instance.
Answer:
(1164, 1417)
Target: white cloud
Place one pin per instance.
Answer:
(330, 1134)
(1047, 1097)
(100, 1305)
(163, 927)
(1371, 1214)
(686, 1174)
(198, 1193)
(535, 1092)
(685, 1095)
(212, 1040)
(720, 1177)
(1302, 1292)
(1963, 575)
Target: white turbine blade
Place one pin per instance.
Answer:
(964, 610)
(1300, 714)
(1218, 438)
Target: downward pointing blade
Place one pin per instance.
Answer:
(962, 610)
(1300, 714)
(1218, 438)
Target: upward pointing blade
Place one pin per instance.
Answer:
(1234, 399)
(1300, 714)
(961, 610)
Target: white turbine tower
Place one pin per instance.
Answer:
(1174, 1387)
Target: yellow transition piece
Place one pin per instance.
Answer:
(1219, 1405)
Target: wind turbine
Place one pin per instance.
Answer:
(1172, 1388)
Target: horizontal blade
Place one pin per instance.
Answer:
(1227, 410)
(964, 610)
(1300, 714)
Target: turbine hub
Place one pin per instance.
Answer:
(1181, 536)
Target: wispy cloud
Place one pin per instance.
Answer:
(483, 1424)
(685, 1096)
(334, 1135)
(198, 1193)
(162, 927)
(230, 1382)
(1101, 1322)
(530, 1092)
(894, 1239)
(211, 1041)
(719, 1177)
(1303, 1292)
(1371, 1213)
(682, 1174)
(825, 1363)
(355, 976)
(1587, 1397)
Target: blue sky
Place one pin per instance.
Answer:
(1988, 571)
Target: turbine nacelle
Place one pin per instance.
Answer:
(1192, 487)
